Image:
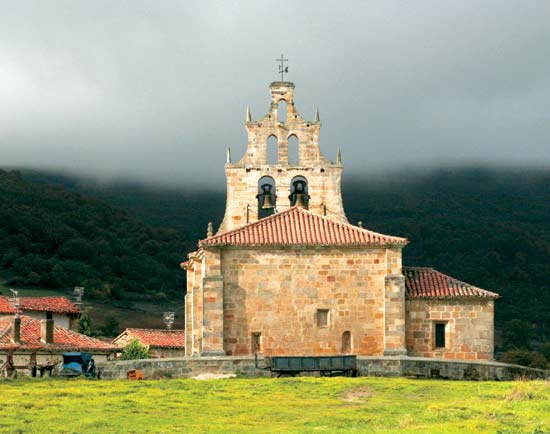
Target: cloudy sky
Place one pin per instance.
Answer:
(157, 90)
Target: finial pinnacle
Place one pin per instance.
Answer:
(210, 230)
(317, 115)
(360, 224)
(248, 115)
(228, 160)
(338, 156)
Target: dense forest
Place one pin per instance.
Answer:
(487, 227)
(53, 238)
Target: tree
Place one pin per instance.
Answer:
(85, 323)
(517, 334)
(134, 351)
(532, 359)
(111, 326)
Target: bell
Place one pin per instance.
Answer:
(267, 202)
(299, 195)
(300, 200)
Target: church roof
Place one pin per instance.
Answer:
(300, 227)
(44, 304)
(425, 282)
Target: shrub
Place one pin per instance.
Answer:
(85, 323)
(134, 351)
(532, 359)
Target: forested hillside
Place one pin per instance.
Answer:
(490, 228)
(53, 238)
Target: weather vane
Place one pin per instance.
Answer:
(282, 68)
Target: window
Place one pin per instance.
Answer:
(322, 317)
(256, 341)
(440, 335)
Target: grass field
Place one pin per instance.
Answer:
(294, 405)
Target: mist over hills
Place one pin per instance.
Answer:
(488, 227)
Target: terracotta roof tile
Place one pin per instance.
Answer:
(424, 282)
(64, 339)
(297, 226)
(156, 338)
(45, 304)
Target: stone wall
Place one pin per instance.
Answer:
(278, 293)
(468, 328)
(367, 366)
(182, 367)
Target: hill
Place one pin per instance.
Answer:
(488, 227)
(51, 238)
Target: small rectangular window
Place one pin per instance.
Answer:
(256, 341)
(440, 335)
(322, 317)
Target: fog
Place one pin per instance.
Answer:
(157, 90)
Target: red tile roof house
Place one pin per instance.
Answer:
(27, 343)
(159, 342)
(63, 312)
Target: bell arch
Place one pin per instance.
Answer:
(267, 197)
(272, 145)
(293, 150)
(299, 192)
(282, 111)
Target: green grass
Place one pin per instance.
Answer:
(297, 405)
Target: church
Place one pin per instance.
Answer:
(287, 274)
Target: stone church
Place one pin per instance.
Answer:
(287, 274)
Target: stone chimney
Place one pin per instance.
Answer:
(46, 331)
(16, 335)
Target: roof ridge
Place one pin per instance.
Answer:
(340, 227)
(250, 225)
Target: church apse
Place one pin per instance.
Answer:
(323, 176)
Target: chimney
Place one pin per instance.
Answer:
(16, 335)
(46, 331)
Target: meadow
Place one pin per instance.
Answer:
(287, 405)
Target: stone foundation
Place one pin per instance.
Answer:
(416, 367)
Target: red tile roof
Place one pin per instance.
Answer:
(156, 338)
(424, 282)
(63, 339)
(298, 226)
(45, 304)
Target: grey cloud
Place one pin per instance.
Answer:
(158, 89)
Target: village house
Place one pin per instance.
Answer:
(61, 310)
(29, 345)
(287, 274)
(159, 342)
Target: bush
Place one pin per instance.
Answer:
(134, 351)
(85, 323)
(531, 359)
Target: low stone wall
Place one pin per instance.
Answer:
(399, 366)
(182, 367)
(420, 367)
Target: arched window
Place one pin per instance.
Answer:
(272, 150)
(267, 197)
(293, 158)
(299, 192)
(346, 342)
(282, 111)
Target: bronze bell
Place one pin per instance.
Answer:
(299, 195)
(267, 202)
